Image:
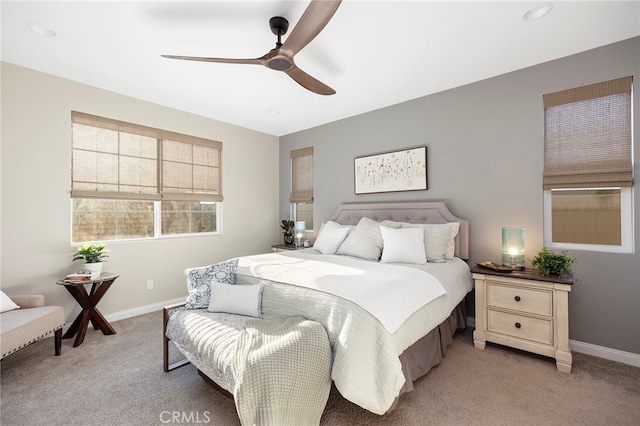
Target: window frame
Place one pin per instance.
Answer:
(626, 225)
(157, 227)
(306, 195)
(211, 193)
(294, 215)
(558, 176)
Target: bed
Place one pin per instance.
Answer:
(377, 353)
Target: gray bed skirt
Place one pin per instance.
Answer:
(428, 352)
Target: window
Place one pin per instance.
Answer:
(301, 198)
(130, 181)
(588, 167)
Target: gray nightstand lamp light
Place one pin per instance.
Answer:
(513, 247)
(299, 232)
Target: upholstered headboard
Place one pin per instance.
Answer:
(412, 212)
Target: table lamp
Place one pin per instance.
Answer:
(299, 231)
(513, 247)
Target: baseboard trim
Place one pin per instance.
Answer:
(623, 357)
(606, 353)
(141, 310)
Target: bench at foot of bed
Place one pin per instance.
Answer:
(278, 372)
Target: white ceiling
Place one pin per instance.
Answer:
(373, 53)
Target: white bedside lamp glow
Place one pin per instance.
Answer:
(299, 230)
(513, 247)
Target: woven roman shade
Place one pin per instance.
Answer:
(190, 171)
(115, 159)
(302, 175)
(587, 140)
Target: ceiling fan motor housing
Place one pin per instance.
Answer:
(279, 64)
(279, 27)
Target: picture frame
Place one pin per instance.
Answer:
(401, 170)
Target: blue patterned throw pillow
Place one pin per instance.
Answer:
(199, 282)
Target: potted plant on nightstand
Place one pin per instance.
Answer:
(93, 255)
(551, 263)
(287, 226)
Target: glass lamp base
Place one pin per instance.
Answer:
(514, 261)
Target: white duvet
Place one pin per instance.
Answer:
(366, 367)
(390, 293)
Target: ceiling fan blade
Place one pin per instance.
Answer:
(313, 20)
(308, 82)
(315, 17)
(256, 61)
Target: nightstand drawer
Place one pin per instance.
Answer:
(520, 299)
(535, 329)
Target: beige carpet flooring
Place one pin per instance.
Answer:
(118, 380)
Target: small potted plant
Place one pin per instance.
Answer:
(93, 255)
(551, 263)
(287, 226)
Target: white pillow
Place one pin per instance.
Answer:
(365, 241)
(391, 224)
(239, 299)
(330, 237)
(403, 245)
(438, 239)
(6, 304)
(451, 246)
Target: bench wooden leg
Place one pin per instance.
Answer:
(168, 367)
(165, 342)
(57, 338)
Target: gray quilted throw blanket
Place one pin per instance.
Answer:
(282, 372)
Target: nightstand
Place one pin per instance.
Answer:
(523, 310)
(283, 247)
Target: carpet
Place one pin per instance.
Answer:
(118, 380)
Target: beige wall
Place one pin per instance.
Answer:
(35, 209)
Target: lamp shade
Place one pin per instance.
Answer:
(299, 230)
(513, 247)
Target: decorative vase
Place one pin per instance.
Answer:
(95, 268)
(288, 239)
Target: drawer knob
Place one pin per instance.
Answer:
(518, 325)
(517, 298)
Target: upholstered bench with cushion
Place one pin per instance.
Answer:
(25, 319)
(277, 370)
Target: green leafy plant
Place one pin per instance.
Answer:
(91, 253)
(551, 263)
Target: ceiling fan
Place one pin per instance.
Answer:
(280, 58)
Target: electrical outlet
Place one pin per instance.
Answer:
(149, 284)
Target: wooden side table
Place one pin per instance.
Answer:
(523, 310)
(88, 302)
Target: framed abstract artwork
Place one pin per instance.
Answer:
(404, 170)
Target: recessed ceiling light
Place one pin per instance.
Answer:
(41, 30)
(537, 12)
(274, 111)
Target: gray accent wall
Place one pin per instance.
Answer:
(485, 159)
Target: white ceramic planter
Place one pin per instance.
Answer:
(95, 268)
